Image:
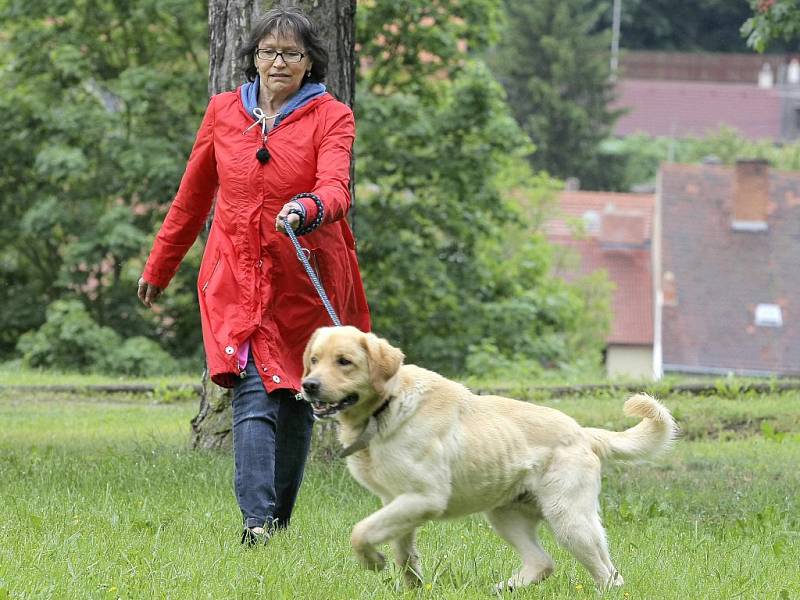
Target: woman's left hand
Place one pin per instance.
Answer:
(294, 219)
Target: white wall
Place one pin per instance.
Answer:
(629, 361)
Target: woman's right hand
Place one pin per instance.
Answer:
(293, 219)
(148, 293)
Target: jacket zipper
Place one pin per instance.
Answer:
(214, 270)
(315, 265)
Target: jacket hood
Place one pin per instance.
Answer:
(306, 93)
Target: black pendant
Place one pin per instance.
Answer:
(262, 155)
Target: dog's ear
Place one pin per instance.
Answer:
(307, 353)
(384, 360)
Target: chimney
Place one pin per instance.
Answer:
(765, 77)
(793, 72)
(750, 195)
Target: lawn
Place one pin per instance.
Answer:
(101, 498)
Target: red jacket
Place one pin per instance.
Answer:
(251, 284)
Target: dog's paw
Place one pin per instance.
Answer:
(613, 581)
(524, 578)
(412, 578)
(371, 560)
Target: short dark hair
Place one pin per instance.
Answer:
(286, 22)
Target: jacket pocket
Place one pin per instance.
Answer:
(211, 275)
(334, 274)
(314, 262)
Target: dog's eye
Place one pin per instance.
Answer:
(343, 361)
(313, 360)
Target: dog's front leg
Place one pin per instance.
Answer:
(407, 559)
(395, 520)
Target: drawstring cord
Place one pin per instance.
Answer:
(261, 119)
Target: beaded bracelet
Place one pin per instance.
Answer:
(303, 229)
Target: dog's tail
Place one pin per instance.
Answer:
(654, 435)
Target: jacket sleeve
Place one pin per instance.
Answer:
(189, 209)
(333, 165)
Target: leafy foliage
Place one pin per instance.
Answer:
(408, 42)
(556, 73)
(99, 101)
(680, 25)
(449, 262)
(772, 21)
(102, 100)
(643, 154)
(70, 340)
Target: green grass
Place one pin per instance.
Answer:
(521, 377)
(102, 499)
(13, 373)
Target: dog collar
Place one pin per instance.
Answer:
(363, 440)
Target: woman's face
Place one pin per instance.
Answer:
(280, 76)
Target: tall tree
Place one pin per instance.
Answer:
(681, 25)
(229, 22)
(451, 273)
(557, 76)
(97, 97)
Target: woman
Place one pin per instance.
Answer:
(277, 136)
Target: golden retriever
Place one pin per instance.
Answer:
(431, 449)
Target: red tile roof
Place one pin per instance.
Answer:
(624, 254)
(721, 275)
(693, 108)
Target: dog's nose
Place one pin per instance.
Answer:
(311, 386)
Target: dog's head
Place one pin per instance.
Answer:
(346, 370)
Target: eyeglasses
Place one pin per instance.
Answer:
(288, 57)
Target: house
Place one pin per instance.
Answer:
(707, 271)
(727, 269)
(613, 232)
(681, 109)
(673, 94)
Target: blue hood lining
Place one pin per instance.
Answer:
(306, 93)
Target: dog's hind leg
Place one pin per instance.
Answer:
(583, 535)
(517, 525)
(407, 559)
(572, 510)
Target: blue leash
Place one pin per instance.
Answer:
(311, 274)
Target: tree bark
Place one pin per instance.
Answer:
(229, 23)
(335, 21)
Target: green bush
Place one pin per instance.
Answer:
(70, 340)
(449, 226)
(643, 154)
(141, 356)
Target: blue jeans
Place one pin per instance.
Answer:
(271, 438)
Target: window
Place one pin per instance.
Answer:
(769, 315)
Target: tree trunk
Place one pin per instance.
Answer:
(229, 22)
(228, 25)
(335, 21)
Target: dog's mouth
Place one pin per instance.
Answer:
(326, 409)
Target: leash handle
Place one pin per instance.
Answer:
(311, 274)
